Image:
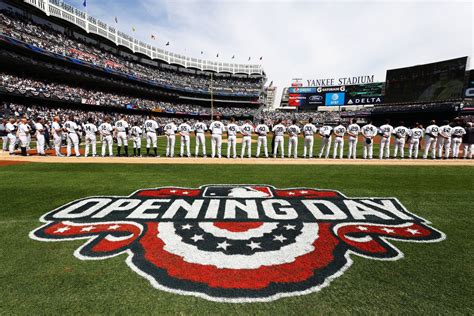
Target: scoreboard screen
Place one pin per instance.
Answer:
(430, 82)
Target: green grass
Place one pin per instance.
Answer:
(39, 277)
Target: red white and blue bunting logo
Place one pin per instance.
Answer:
(236, 243)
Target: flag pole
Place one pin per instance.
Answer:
(212, 98)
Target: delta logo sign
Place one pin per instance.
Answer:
(236, 243)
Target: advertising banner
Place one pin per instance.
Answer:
(335, 98)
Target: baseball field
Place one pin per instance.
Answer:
(46, 277)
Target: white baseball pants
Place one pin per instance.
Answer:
(246, 144)
(73, 141)
(170, 143)
(216, 145)
(325, 147)
(200, 141)
(308, 146)
(107, 142)
(399, 145)
(185, 144)
(279, 141)
(338, 145)
(430, 143)
(262, 141)
(413, 148)
(384, 148)
(293, 147)
(91, 141)
(231, 146)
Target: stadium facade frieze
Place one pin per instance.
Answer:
(340, 81)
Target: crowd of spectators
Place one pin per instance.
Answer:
(26, 85)
(47, 38)
(319, 117)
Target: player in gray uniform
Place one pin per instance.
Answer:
(293, 132)
(199, 129)
(431, 138)
(170, 132)
(339, 131)
(369, 131)
(444, 140)
(309, 130)
(150, 128)
(185, 143)
(71, 128)
(105, 131)
(262, 131)
(353, 130)
(416, 134)
(400, 133)
(246, 130)
(468, 141)
(216, 128)
(91, 139)
(136, 134)
(279, 131)
(232, 130)
(326, 138)
(385, 132)
(456, 135)
(3, 134)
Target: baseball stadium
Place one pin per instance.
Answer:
(179, 157)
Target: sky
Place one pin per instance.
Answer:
(301, 38)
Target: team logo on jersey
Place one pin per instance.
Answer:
(236, 243)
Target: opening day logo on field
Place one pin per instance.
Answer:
(236, 243)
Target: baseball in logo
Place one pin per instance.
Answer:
(236, 243)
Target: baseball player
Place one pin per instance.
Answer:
(456, 135)
(246, 130)
(431, 139)
(279, 131)
(232, 130)
(293, 131)
(415, 135)
(105, 131)
(339, 131)
(468, 141)
(309, 130)
(401, 133)
(11, 135)
(184, 131)
(444, 140)
(369, 131)
(22, 133)
(216, 128)
(353, 130)
(385, 132)
(170, 132)
(326, 133)
(121, 128)
(57, 135)
(3, 134)
(136, 134)
(262, 131)
(199, 129)
(150, 128)
(40, 140)
(91, 139)
(71, 128)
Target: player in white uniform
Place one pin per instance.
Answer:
(416, 134)
(400, 133)
(70, 127)
(11, 135)
(232, 130)
(185, 130)
(121, 128)
(431, 138)
(279, 132)
(326, 134)
(339, 132)
(246, 130)
(170, 130)
(369, 131)
(385, 132)
(91, 139)
(216, 128)
(150, 128)
(444, 140)
(308, 131)
(199, 129)
(40, 140)
(456, 136)
(57, 136)
(22, 133)
(262, 131)
(293, 132)
(353, 131)
(136, 134)
(105, 131)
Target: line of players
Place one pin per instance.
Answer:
(441, 141)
